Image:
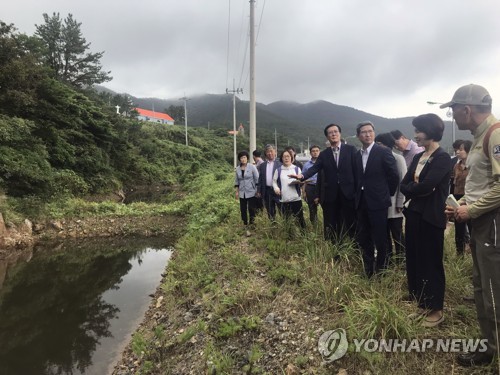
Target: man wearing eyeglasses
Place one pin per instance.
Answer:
(338, 183)
(377, 181)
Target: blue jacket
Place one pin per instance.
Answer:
(247, 182)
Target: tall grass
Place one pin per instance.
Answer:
(235, 279)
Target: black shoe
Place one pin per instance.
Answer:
(474, 359)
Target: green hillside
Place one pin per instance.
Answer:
(59, 140)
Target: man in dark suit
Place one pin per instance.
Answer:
(265, 189)
(377, 180)
(337, 166)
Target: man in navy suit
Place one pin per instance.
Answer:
(377, 180)
(337, 163)
(265, 189)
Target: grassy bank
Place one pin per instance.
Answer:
(231, 304)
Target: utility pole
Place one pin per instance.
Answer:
(275, 140)
(253, 123)
(185, 116)
(234, 92)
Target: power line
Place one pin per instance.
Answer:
(260, 21)
(228, 34)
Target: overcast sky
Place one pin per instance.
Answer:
(386, 57)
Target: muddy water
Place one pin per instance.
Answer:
(71, 308)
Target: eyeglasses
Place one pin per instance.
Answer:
(333, 132)
(366, 132)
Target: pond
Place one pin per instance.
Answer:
(71, 308)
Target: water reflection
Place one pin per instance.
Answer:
(66, 304)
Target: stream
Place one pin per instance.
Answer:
(70, 308)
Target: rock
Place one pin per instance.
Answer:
(188, 316)
(56, 224)
(270, 318)
(292, 369)
(159, 301)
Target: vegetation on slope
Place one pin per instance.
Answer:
(231, 304)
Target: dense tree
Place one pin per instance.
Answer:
(176, 112)
(66, 52)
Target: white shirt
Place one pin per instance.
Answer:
(269, 173)
(288, 192)
(365, 153)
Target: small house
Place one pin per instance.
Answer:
(147, 115)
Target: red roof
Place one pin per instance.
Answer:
(151, 114)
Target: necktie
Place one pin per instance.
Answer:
(336, 155)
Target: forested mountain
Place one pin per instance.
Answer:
(293, 122)
(58, 138)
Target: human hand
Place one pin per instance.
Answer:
(449, 211)
(296, 176)
(462, 214)
(277, 191)
(316, 201)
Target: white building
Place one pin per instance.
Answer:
(146, 115)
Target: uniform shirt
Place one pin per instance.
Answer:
(482, 186)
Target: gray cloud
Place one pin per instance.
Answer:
(387, 57)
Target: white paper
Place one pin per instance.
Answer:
(451, 201)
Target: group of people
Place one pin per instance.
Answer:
(365, 193)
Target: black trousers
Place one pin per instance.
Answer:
(424, 261)
(248, 206)
(311, 195)
(372, 233)
(395, 235)
(339, 217)
(289, 209)
(462, 232)
(271, 202)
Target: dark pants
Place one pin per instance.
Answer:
(371, 233)
(270, 202)
(424, 261)
(247, 206)
(462, 235)
(311, 195)
(294, 209)
(485, 248)
(462, 232)
(339, 217)
(259, 205)
(395, 234)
